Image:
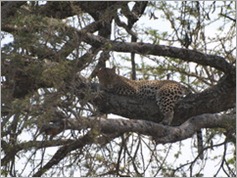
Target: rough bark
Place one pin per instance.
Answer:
(215, 61)
(192, 113)
(162, 134)
(218, 98)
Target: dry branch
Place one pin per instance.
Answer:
(162, 134)
(188, 55)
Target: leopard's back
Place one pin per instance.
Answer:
(150, 88)
(166, 93)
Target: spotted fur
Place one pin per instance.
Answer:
(165, 92)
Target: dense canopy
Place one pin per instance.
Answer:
(57, 121)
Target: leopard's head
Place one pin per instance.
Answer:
(107, 77)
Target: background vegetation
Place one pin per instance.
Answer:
(54, 121)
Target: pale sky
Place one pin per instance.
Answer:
(186, 155)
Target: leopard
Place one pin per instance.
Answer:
(166, 93)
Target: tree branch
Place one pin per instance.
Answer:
(218, 98)
(79, 143)
(188, 55)
(162, 134)
(10, 152)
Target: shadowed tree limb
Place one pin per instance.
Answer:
(218, 98)
(215, 61)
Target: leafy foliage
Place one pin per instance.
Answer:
(48, 80)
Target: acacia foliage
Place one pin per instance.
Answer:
(52, 113)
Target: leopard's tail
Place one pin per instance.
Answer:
(200, 144)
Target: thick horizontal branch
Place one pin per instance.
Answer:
(220, 97)
(215, 61)
(194, 124)
(215, 99)
(162, 134)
